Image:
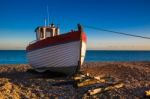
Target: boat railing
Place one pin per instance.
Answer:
(32, 42)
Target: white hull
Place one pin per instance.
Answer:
(59, 56)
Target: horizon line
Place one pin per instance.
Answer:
(87, 50)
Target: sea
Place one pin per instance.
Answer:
(19, 56)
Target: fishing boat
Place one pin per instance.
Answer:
(56, 52)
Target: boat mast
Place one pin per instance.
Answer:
(47, 16)
(45, 21)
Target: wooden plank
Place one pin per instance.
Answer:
(100, 90)
(87, 82)
(147, 93)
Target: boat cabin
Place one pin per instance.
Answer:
(43, 32)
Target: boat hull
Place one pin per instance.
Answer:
(65, 57)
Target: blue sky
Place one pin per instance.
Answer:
(19, 18)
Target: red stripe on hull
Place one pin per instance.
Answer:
(84, 38)
(68, 37)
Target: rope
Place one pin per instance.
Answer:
(127, 34)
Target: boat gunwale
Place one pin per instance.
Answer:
(56, 40)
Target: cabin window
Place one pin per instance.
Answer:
(47, 32)
(41, 35)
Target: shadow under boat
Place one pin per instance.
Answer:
(47, 74)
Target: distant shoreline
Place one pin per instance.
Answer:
(87, 50)
(89, 62)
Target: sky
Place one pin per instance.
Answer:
(19, 18)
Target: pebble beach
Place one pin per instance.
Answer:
(22, 82)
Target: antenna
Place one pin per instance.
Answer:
(45, 21)
(47, 15)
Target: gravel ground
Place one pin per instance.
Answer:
(20, 81)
